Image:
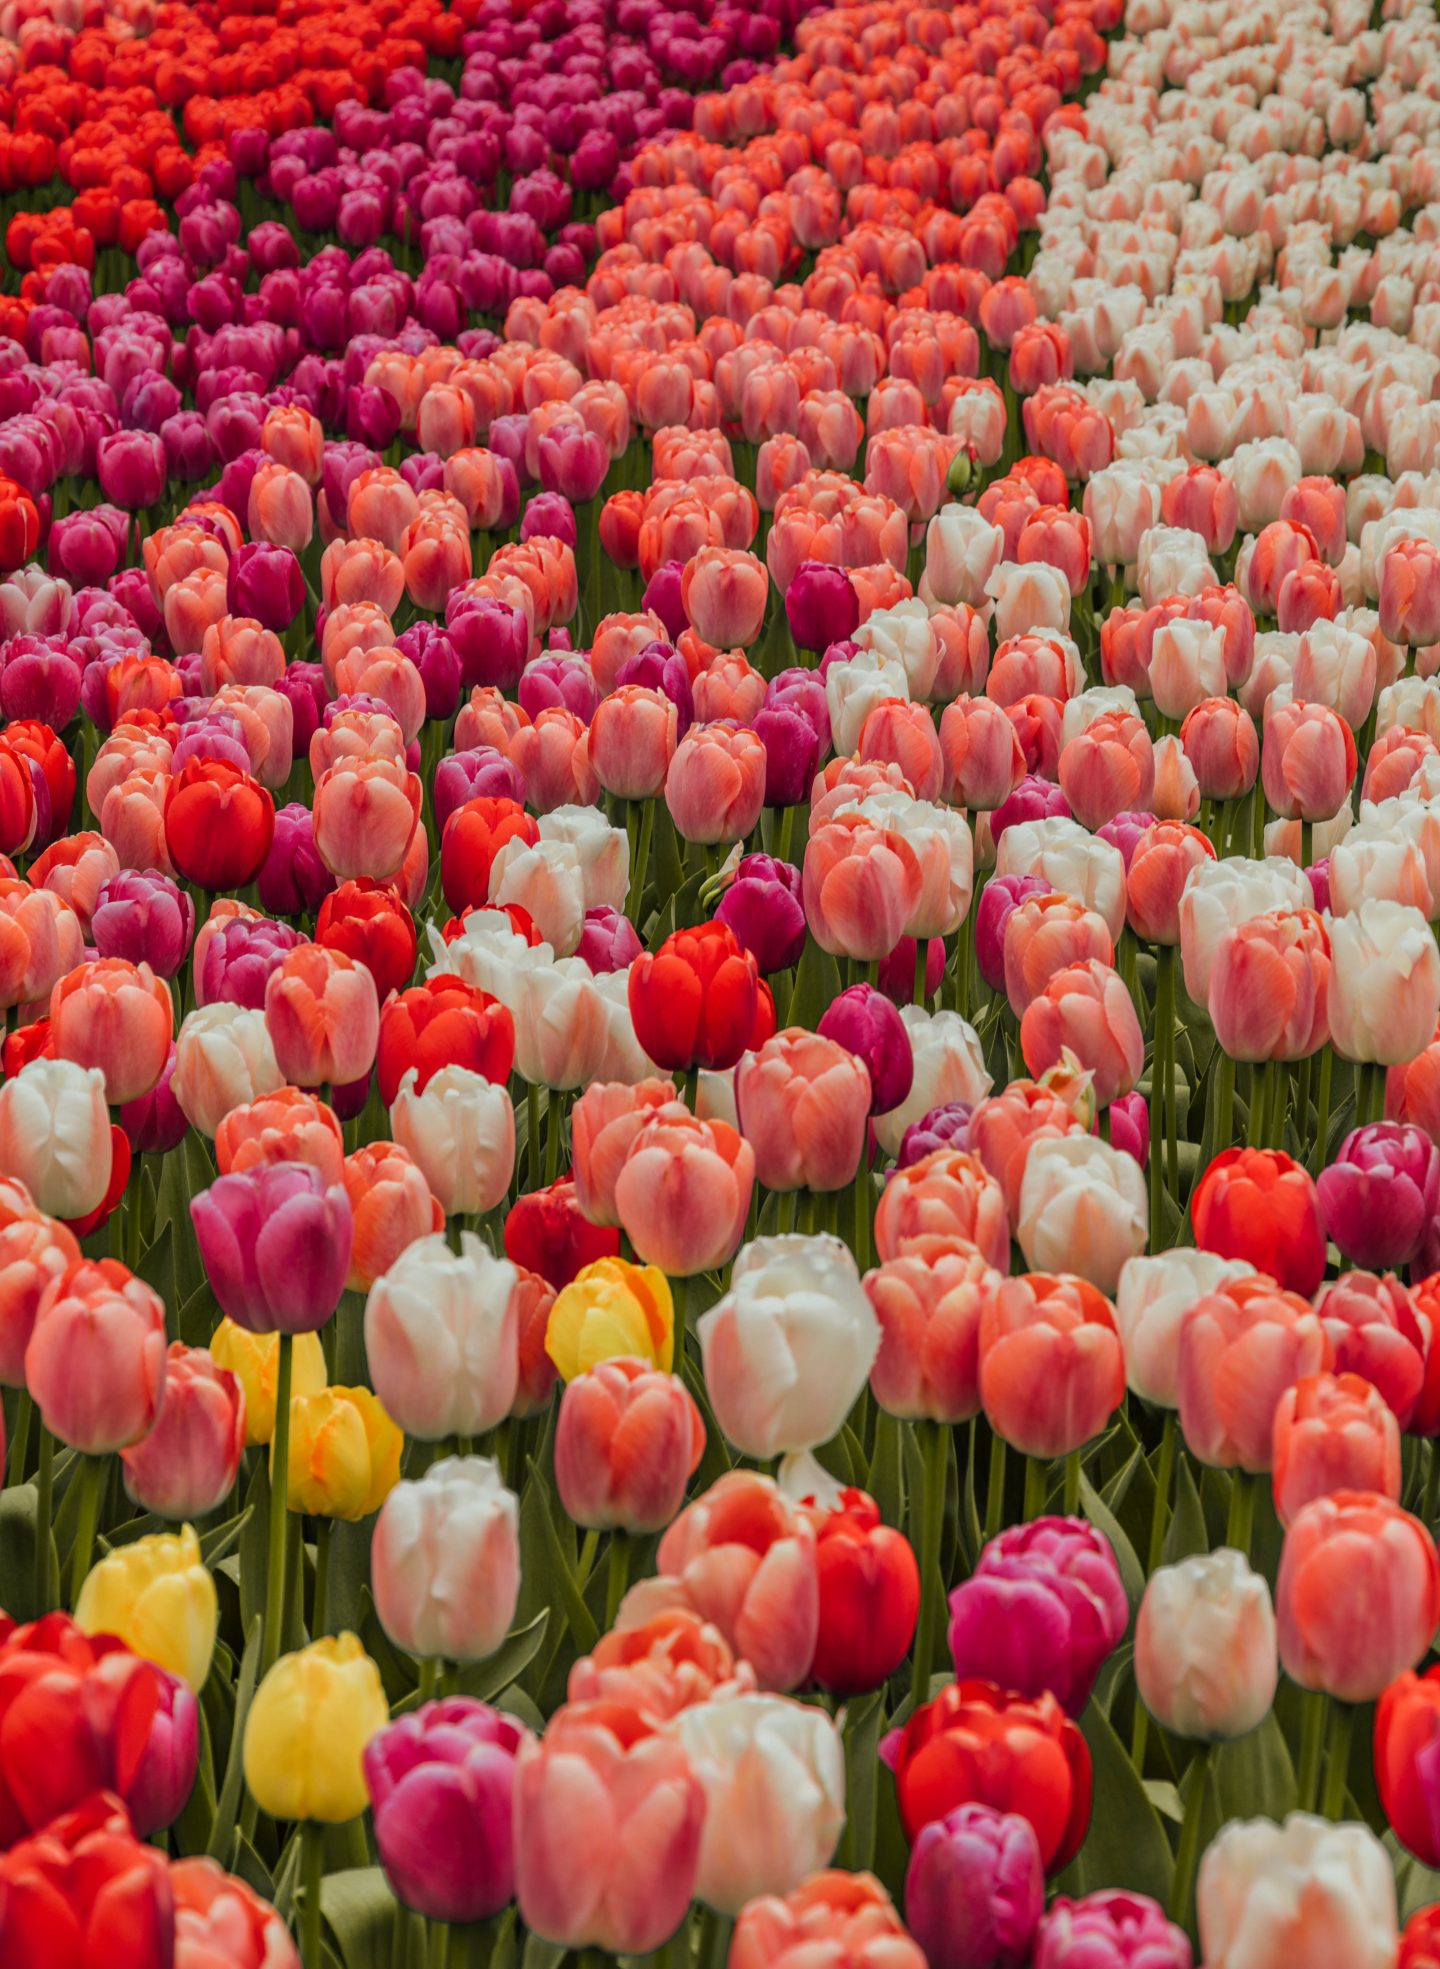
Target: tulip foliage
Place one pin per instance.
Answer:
(720, 955)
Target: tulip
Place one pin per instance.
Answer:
(189, 1462)
(1333, 1433)
(1082, 1203)
(55, 1135)
(158, 1597)
(322, 1016)
(628, 1439)
(1114, 1929)
(1205, 1647)
(947, 1064)
(442, 1338)
(144, 917)
(461, 1133)
(115, 1016)
(946, 1194)
(1405, 1732)
(306, 1732)
(849, 1915)
(234, 958)
(715, 783)
(546, 1233)
(276, 1243)
(445, 1560)
(223, 1059)
(1051, 1372)
(604, 1123)
(661, 1666)
(442, 1784)
(772, 1774)
(1304, 1891)
(610, 1309)
(1151, 1301)
(1045, 1607)
(289, 1125)
(866, 1024)
(683, 1193)
(1375, 1330)
(444, 1022)
(254, 1361)
(1217, 895)
(929, 1303)
(219, 824)
(1384, 983)
(695, 1000)
(1380, 1194)
(1260, 1206)
(85, 1888)
(803, 1102)
(788, 1348)
(95, 1362)
(975, 1889)
(637, 1791)
(1241, 1347)
(743, 1558)
(1358, 1595)
(976, 1745)
(218, 1915)
(861, 886)
(343, 1455)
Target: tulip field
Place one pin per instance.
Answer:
(720, 967)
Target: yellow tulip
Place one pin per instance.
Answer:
(308, 1726)
(254, 1360)
(344, 1454)
(612, 1308)
(159, 1597)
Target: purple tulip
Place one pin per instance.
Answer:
(1123, 831)
(234, 961)
(762, 907)
(1044, 1609)
(896, 976)
(1000, 896)
(1110, 1930)
(480, 771)
(866, 1024)
(165, 1770)
(662, 598)
(304, 684)
(1130, 1126)
(423, 471)
(294, 880)
(792, 753)
(573, 461)
(144, 917)
(558, 677)
(941, 1128)
(608, 941)
(975, 1889)
(84, 549)
(265, 582)
(659, 667)
(275, 1243)
(430, 649)
(39, 680)
(442, 1782)
(1379, 1195)
(1033, 799)
(821, 605)
(549, 515)
(491, 639)
(155, 1123)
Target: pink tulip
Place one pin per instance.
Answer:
(628, 1439)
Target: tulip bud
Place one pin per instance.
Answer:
(305, 1735)
(445, 1561)
(158, 1596)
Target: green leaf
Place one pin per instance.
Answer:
(862, 1768)
(884, 1482)
(562, 1578)
(487, 1679)
(254, 1548)
(157, 1266)
(1253, 1775)
(228, 1803)
(1186, 1533)
(17, 1550)
(1100, 1515)
(540, 1954)
(1126, 1844)
(220, 1539)
(359, 1910)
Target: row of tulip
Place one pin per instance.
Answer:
(677, 767)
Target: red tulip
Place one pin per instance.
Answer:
(1407, 1739)
(1259, 1205)
(367, 921)
(977, 1745)
(219, 824)
(442, 1023)
(85, 1890)
(869, 1596)
(696, 1000)
(547, 1233)
(474, 835)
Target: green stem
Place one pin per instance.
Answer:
(312, 1872)
(555, 1107)
(679, 1293)
(995, 1489)
(934, 1446)
(279, 1489)
(20, 1436)
(91, 1478)
(318, 1620)
(1322, 1107)
(1188, 1850)
(44, 1528)
(862, 1214)
(1241, 1520)
(1164, 1478)
(532, 1117)
(1314, 1707)
(1037, 1471)
(617, 1576)
(642, 856)
(1072, 1484)
(1337, 1760)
